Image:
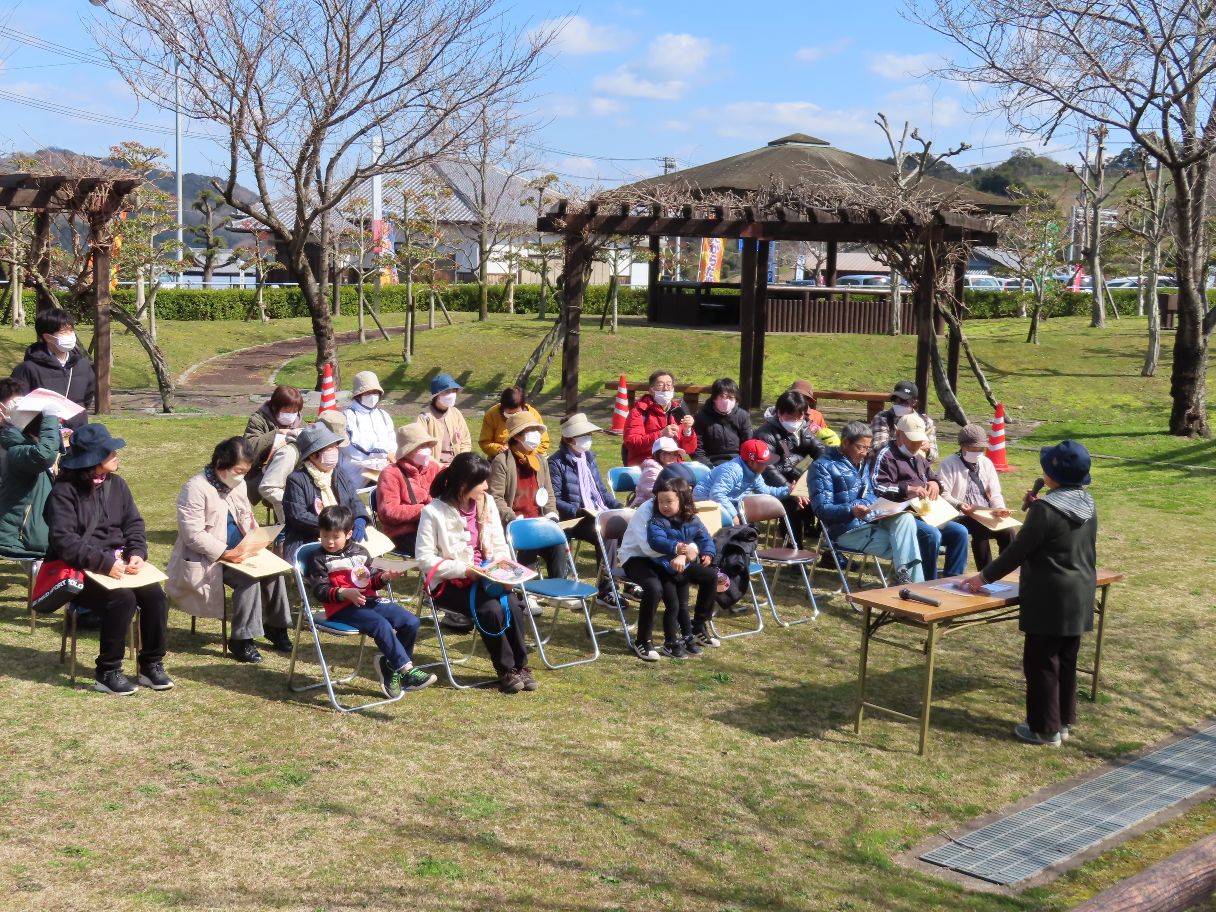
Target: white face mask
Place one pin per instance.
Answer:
(531, 440)
(662, 397)
(421, 457)
(900, 409)
(229, 479)
(724, 406)
(583, 444)
(369, 400)
(445, 401)
(971, 456)
(65, 342)
(329, 458)
(286, 419)
(792, 426)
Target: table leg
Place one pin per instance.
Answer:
(930, 653)
(1093, 690)
(861, 673)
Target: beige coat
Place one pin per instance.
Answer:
(196, 578)
(443, 540)
(449, 427)
(504, 482)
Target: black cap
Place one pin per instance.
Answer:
(905, 389)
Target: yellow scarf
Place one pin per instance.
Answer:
(324, 482)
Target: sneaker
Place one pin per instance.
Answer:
(278, 639)
(525, 675)
(535, 608)
(510, 683)
(609, 600)
(390, 678)
(1066, 732)
(645, 651)
(1022, 730)
(153, 676)
(417, 679)
(457, 623)
(114, 683)
(691, 646)
(244, 651)
(704, 637)
(674, 650)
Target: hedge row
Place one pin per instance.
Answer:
(982, 305)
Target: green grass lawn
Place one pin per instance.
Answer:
(728, 783)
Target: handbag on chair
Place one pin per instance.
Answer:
(57, 583)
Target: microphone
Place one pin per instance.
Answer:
(909, 596)
(1034, 492)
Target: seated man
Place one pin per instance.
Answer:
(787, 434)
(904, 401)
(841, 494)
(742, 475)
(900, 473)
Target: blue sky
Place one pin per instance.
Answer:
(628, 83)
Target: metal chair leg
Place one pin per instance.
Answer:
(540, 644)
(755, 608)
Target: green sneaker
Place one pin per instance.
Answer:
(416, 679)
(390, 678)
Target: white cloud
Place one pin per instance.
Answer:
(670, 54)
(577, 35)
(605, 106)
(819, 52)
(756, 120)
(663, 73)
(675, 126)
(903, 66)
(562, 106)
(624, 81)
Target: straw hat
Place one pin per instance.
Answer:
(577, 425)
(412, 436)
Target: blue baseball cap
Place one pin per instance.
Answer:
(1067, 463)
(441, 383)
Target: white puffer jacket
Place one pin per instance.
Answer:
(444, 542)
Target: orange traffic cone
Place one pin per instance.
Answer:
(996, 441)
(620, 408)
(329, 399)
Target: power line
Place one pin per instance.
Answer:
(106, 119)
(44, 45)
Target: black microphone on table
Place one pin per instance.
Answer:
(909, 596)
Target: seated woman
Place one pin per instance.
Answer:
(95, 525)
(521, 487)
(579, 488)
(970, 482)
(493, 439)
(30, 442)
(315, 486)
(273, 424)
(459, 529)
(404, 488)
(369, 427)
(444, 421)
(213, 515)
(720, 425)
(286, 459)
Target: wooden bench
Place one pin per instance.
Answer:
(874, 400)
(690, 393)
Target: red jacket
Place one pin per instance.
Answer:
(646, 422)
(399, 505)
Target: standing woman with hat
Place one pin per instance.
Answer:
(445, 422)
(521, 487)
(95, 525)
(969, 482)
(404, 488)
(213, 516)
(315, 486)
(369, 427)
(904, 401)
(1056, 550)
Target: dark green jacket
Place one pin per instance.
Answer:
(1056, 549)
(25, 487)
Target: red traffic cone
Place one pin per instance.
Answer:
(329, 399)
(620, 408)
(996, 441)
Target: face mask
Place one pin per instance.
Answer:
(724, 406)
(792, 426)
(583, 444)
(971, 456)
(369, 400)
(286, 419)
(229, 479)
(446, 401)
(66, 342)
(329, 459)
(662, 397)
(531, 440)
(421, 457)
(900, 409)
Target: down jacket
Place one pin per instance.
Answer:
(718, 435)
(835, 486)
(788, 449)
(729, 482)
(563, 473)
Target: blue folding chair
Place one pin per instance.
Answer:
(843, 557)
(761, 508)
(700, 471)
(317, 624)
(623, 480)
(537, 534)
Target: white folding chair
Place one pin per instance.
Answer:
(610, 527)
(844, 557)
(763, 508)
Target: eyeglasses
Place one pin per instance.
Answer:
(664, 385)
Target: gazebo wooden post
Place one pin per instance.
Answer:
(759, 323)
(652, 275)
(747, 320)
(925, 336)
(829, 272)
(42, 258)
(578, 265)
(101, 323)
(955, 339)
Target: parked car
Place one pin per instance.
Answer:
(983, 281)
(863, 279)
(1018, 284)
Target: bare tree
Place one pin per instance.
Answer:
(1146, 68)
(209, 204)
(1147, 220)
(1033, 234)
(300, 87)
(1096, 193)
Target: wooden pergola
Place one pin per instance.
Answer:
(98, 200)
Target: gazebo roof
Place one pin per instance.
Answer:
(59, 193)
(799, 158)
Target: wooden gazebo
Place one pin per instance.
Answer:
(97, 200)
(790, 160)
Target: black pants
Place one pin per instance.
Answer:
(672, 588)
(508, 651)
(553, 556)
(117, 607)
(1050, 666)
(981, 541)
(405, 542)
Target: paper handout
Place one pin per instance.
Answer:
(146, 576)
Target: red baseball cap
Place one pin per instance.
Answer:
(755, 451)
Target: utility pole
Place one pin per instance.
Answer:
(669, 165)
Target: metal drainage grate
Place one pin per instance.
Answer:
(1023, 844)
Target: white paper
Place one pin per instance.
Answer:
(49, 402)
(146, 576)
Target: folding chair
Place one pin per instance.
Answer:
(623, 480)
(842, 557)
(29, 569)
(535, 534)
(761, 508)
(700, 471)
(223, 626)
(449, 663)
(69, 630)
(318, 624)
(610, 529)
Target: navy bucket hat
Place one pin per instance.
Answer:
(1067, 463)
(91, 446)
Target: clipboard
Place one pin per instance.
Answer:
(260, 564)
(394, 563)
(801, 486)
(147, 576)
(377, 543)
(989, 520)
(260, 536)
